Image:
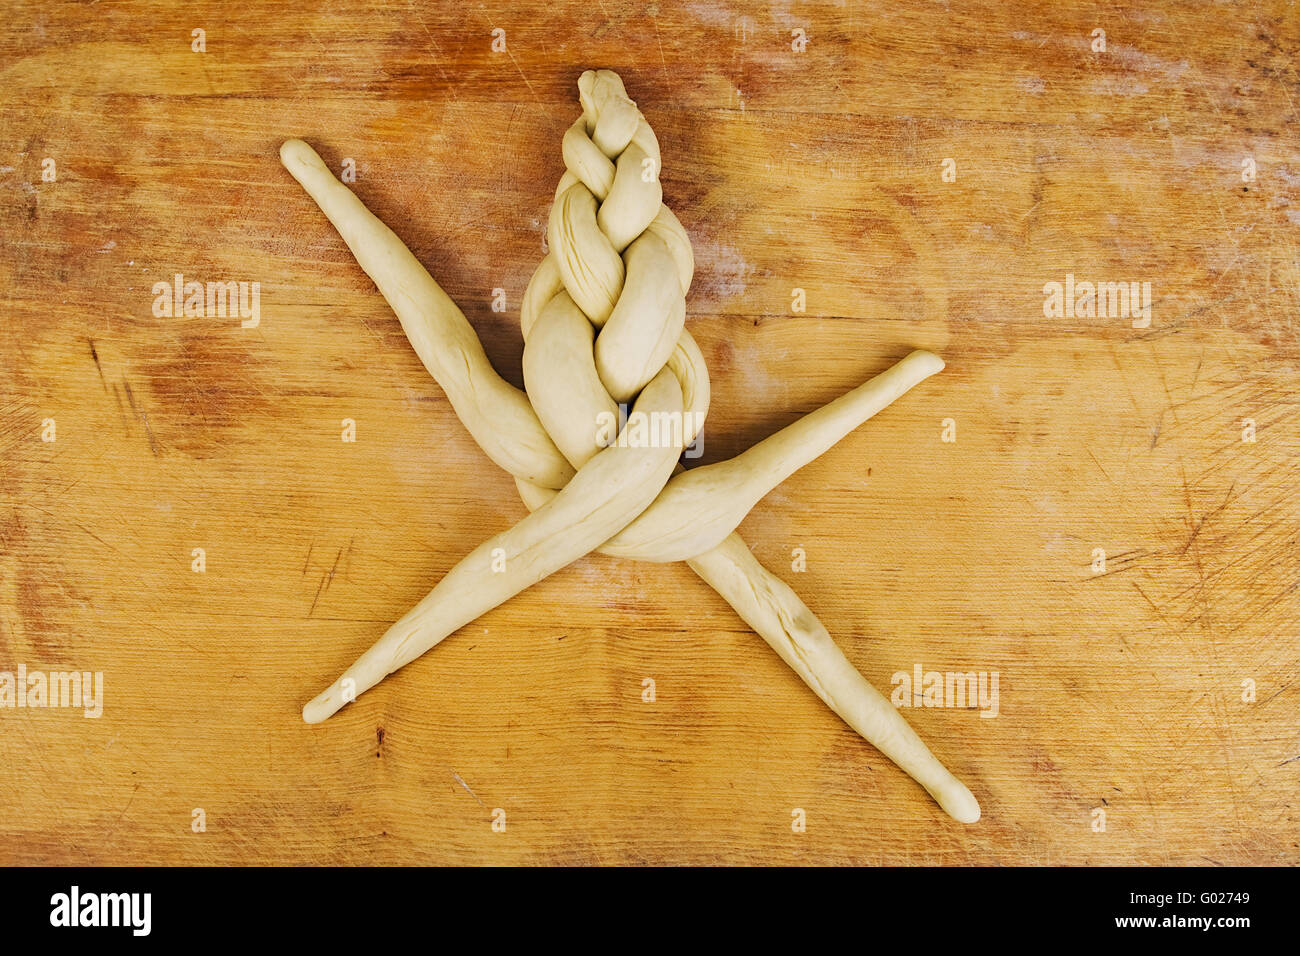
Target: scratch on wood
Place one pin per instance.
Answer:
(1149, 601)
(325, 580)
(95, 355)
(130, 397)
(1097, 463)
(126, 423)
(320, 587)
(1270, 697)
(468, 790)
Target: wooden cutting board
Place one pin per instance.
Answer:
(1112, 529)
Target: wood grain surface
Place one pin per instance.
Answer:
(1147, 712)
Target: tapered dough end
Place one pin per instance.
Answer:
(296, 153)
(291, 148)
(313, 713)
(928, 361)
(960, 803)
(324, 705)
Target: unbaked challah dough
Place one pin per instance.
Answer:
(603, 320)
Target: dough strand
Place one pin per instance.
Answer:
(603, 322)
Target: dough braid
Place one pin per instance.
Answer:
(606, 309)
(603, 322)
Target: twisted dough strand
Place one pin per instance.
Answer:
(603, 320)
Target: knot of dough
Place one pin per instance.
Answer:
(619, 266)
(605, 312)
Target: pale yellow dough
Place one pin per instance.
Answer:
(603, 320)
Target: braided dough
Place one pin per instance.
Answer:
(603, 320)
